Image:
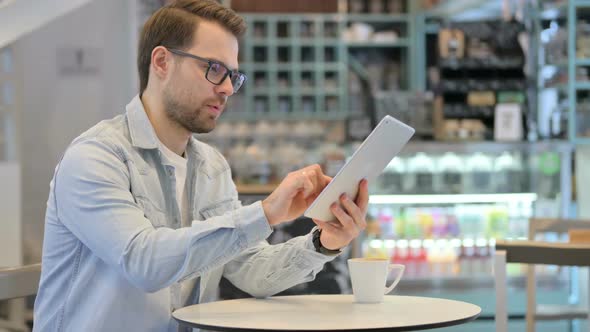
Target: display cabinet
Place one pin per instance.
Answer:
(459, 195)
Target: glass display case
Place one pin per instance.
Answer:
(439, 207)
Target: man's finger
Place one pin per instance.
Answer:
(325, 180)
(353, 210)
(308, 187)
(362, 199)
(342, 216)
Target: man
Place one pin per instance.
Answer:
(143, 219)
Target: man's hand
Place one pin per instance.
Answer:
(294, 194)
(351, 219)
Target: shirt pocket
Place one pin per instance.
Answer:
(156, 216)
(217, 209)
(143, 180)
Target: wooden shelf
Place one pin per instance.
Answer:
(255, 189)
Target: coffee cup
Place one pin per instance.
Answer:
(369, 277)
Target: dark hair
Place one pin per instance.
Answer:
(173, 26)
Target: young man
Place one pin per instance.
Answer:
(143, 219)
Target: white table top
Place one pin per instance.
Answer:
(327, 313)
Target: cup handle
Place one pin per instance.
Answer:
(399, 276)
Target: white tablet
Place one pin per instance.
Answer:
(368, 161)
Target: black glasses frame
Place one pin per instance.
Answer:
(237, 78)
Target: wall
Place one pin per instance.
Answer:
(20, 17)
(10, 250)
(62, 96)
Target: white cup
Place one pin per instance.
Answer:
(369, 277)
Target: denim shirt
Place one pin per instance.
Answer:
(115, 256)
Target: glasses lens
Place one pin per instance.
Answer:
(237, 80)
(216, 72)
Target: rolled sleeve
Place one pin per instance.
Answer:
(265, 270)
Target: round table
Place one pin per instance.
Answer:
(327, 313)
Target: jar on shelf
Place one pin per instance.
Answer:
(450, 175)
(479, 168)
(356, 6)
(392, 179)
(421, 172)
(510, 176)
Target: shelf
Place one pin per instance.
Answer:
(561, 87)
(582, 140)
(486, 147)
(393, 18)
(476, 281)
(468, 85)
(558, 65)
(471, 63)
(582, 4)
(255, 189)
(285, 42)
(402, 42)
(452, 198)
(582, 62)
(291, 66)
(582, 85)
(448, 9)
(290, 17)
(288, 92)
(291, 116)
(559, 11)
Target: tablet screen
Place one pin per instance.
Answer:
(368, 161)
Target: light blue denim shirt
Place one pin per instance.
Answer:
(115, 257)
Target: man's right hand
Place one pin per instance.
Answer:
(294, 194)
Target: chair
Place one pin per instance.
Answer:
(537, 252)
(15, 284)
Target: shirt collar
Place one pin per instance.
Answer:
(141, 130)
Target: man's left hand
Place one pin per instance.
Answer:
(351, 219)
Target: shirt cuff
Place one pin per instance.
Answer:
(252, 221)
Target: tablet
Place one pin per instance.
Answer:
(368, 161)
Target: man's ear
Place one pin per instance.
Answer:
(161, 61)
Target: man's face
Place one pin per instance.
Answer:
(189, 98)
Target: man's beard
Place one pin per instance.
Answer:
(185, 116)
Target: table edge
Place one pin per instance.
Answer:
(379, 329)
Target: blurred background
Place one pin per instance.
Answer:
(498, 92)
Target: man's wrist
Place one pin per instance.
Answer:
(319, 247)
(266, 208)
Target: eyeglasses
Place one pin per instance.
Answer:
(216, 72)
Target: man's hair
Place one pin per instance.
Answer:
(174, 25)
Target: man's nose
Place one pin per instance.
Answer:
(225, 88)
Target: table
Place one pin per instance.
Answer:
(535, 252)
(327, 313)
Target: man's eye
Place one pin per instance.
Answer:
(216, 68)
